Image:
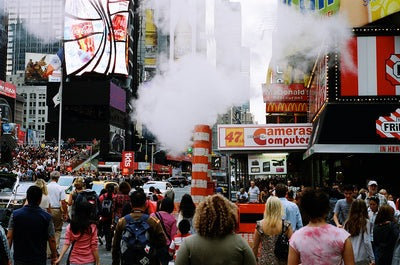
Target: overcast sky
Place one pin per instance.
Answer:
(258, 20)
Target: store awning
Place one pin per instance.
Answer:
(356, 128)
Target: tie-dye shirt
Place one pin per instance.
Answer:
(322, 245)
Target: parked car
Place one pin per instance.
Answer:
(14, 197)
(100, 184)
(180, 181)
(163, 186)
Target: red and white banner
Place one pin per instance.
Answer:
(264, 137)
(8, 89)
(389, 126)
(378, 72)
(128, 159)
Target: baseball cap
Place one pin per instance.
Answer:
(372, 182)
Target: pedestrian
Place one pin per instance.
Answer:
(342, 206)
(215, 241)
(79, 185)
(358, 225)
(121, 200)
(268, 230)
(29, 230)
(186, 211)
(59, 210)
(177, 240)
(254, 192)
(45, 203)
(5, 255)
(156, 235)
(390, 202)
(168, 223)
(291, 210)
(105, 220)
(319, 242)
(386, 232)
(81, 236)
(373, 191)
(242, 196)
(372, 213)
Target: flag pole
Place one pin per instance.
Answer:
(60, 121)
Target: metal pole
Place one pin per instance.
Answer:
(60, 122)
(152, 159)
(229, 176)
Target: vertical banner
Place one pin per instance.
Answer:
(128, 159)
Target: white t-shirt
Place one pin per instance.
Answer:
(45, 203)
(56, 194)
(253, 194)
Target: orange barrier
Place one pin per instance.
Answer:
(249, 214)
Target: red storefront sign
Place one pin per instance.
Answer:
(7, 89)
(128, 159)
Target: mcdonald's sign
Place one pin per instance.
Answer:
(281, 107)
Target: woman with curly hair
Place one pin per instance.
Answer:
(267, 231)
(186, 211)
(358, 225)
(215, 222)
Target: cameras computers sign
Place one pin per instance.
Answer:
(389, 126)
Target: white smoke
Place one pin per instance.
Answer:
(191, 92)
(300, 37)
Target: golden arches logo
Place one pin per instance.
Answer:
(286, 107)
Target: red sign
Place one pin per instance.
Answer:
(21, 135)
(285, 93)
(7, 89)
(128, 159)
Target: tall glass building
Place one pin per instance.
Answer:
(34, 26)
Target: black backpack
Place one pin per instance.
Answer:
(282, 245)
(106, 207)
(90, 197)
(135, 246)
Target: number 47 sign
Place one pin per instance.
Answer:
(234, 137)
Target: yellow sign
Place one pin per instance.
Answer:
(234, 137)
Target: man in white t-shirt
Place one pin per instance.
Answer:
(254, 192)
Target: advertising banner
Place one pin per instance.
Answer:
(150, 40)
(117, 97)
(96, 36)
(265, 164)
(117, 139)
(128, 159)
(264, 137)
(318, 88)
(389, 126)
(7, 89)
(42, 68)
(285, 93)
(378, 74)
(32, 138)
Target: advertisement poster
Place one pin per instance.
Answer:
(8, 89)
(96, 36)
(150, 40)
(42, 68)
(264, 137)
(128, 159)
(117, 139)
(267, 164)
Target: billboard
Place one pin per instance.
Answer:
(285, 93)
(150, 40)
(7, 89)
(264, 137)
(42, 68)
(359, 13)
(95, 36)
(128, 159)
(266, 164)
(318, 88)
(117, 97)
(377, 60)
(117, 139)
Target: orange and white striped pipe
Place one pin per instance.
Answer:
(201, 160)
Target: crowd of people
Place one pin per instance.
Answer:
(342, 224)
